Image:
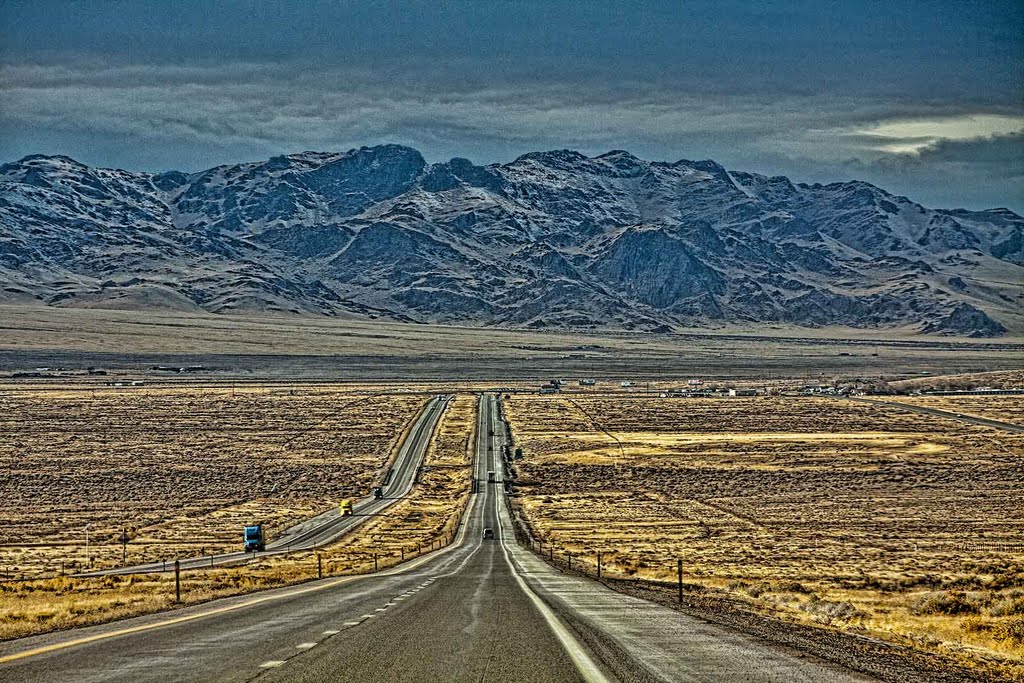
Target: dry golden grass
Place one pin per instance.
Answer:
(182, 468)
(427, 517)
(437, 502)
(829, 512)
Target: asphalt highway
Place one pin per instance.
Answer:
(935, 412)
(328, 526)
(478, 610)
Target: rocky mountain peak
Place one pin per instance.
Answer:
(551, 239)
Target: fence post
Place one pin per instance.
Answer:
(177, 581)
(569, 555)
(403, 554)
(599, 565)
(679, 576)
(375, 562)
(551, 553)
(319, 566)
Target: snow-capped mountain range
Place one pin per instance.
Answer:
(551, 240)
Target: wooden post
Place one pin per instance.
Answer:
(403, 554)
(177, 581)
(599, 565)
(319, 566)
(679, 575)
(569, 555)
(375, 562)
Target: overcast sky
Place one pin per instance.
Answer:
(923, 98)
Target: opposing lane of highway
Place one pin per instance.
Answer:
(328, 526)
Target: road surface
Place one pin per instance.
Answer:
(328, 526)
(935, 412)
(479, 610)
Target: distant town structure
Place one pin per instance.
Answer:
(552, 387)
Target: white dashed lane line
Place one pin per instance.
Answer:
(334, 633)
(271, 664)
(305, 646)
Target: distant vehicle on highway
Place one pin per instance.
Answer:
(345, 508)
(378, 492)
(254, 538)
(488, 533)
(491, 477)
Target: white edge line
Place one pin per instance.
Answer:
(584, 663)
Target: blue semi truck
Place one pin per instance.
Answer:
(254, 538)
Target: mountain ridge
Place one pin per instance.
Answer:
(551, 239)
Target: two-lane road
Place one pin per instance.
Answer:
(331, 525)
(479, 610)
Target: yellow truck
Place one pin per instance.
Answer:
(345, 507)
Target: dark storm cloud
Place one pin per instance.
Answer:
(804, 89)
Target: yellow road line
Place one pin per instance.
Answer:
(171, 622)
(401, 568)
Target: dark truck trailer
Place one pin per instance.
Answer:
(254, 540)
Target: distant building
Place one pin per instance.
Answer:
(743, 392)
(551, 387)
(587, 382)
(695, 382)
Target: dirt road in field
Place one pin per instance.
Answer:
(963, 417)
